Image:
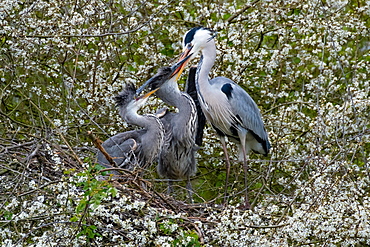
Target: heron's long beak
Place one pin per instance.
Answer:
(140, 89)
(184, 60)
(147, 94)
(175, 69)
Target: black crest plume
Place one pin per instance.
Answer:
(126, 96)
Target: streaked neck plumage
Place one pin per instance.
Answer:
(171, 94)
(186, 118)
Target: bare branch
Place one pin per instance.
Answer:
(241, 11)
(97, 143)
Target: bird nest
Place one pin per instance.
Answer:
(38, 172)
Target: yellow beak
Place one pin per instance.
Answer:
(180, 69)
(147, 94)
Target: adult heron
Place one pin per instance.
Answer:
(228, 107)
(177, 157)
(136, 147)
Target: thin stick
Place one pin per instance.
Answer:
(97, 143)
(239, 12)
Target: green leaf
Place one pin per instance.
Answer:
(74, 219)
(296, 60)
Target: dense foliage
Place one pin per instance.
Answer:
(305, 63)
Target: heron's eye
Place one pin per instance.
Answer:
(213, 35)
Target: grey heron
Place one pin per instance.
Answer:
(177, 157)
(135, 147)
(228, 107)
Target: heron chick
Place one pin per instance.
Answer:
(177, 157)
(135, 148)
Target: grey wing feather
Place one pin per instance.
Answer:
(119, 147)
(167, 124)
(244, 106)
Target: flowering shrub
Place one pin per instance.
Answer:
(305, 63)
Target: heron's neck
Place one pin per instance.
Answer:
(205, 65)
(186, 117)
(170, 93)
(131, 117)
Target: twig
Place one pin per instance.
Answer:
(261, 227)
(97, 143)
(132, 174)
(42, 186)
(260, 42)
(165, 200)
(85, 212)
(17, 122)
(199, 232)
(34, 153)
(19, 145)
(239, 12)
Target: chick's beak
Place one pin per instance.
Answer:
(147, 94)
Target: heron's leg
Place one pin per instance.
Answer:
(246, 168)
(189, 188)
(170, 187)
(223, 142)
